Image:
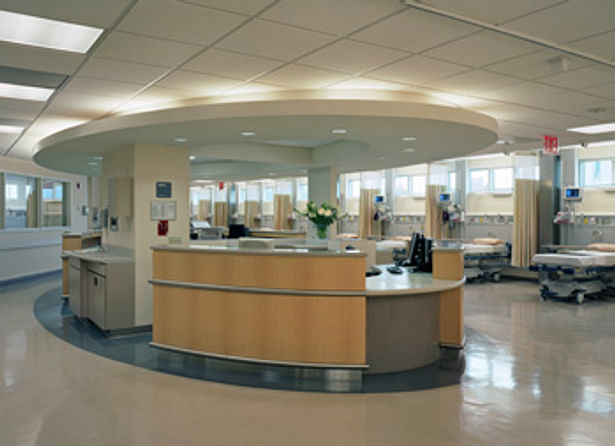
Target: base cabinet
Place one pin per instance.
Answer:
(111, 295)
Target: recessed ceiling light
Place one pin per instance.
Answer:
(25, 92)
(248, 133)
(594, 129)
(46, 33)
(339, 131)
(93, 163)
(98, 158)
(408, 138)
(192, 157)
(271, 173)
(181, 139)
(382, 157)
(408, 150)
(10, 129)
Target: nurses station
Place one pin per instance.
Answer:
(394, 197)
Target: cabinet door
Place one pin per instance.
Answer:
(96, 286)
(74, 297)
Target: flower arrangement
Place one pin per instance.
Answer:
(322, 216)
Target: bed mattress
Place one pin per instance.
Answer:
(471, 248)
(581, 259)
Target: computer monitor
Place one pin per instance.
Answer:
(236, 231)
(413, 250)
(379, 199)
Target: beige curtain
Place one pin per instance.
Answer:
(366, 212)
(525, 225)
(433, 213)
(220, 213)
(250, 213)
(31, 211)
(204, 209)
(281, 211)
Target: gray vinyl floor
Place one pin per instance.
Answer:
(537, 373)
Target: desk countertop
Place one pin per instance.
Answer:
(387, 284)
(97, 256)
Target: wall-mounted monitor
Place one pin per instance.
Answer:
(379, 199)
(573, 194)
(445, 198)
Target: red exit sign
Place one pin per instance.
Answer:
(550, 144)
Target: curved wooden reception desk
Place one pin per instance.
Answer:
(301, 307)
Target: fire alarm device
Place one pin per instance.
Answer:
(163, 228)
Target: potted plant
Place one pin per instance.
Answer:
(322, 216)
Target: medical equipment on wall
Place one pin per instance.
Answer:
(573, 194)
(575, 274)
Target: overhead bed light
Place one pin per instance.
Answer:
(594, 129)
(25, 92)
(47, 33)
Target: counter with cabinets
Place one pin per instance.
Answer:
(102, 288)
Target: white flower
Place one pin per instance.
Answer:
(312, 215)
(328, 213)
(321, 211)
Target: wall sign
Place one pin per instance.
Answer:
(550, 144)
(163, 189)
(164, 210)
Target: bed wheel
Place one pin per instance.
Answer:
(496, 277)
(580, 296)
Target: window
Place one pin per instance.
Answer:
(54, 205)
(21, 208)
(502, 179)
(354, 188)
(452, 181)
(268, 193)
(402, 187)
(479, 180)
(200, 199)
(418, 185)
(596, 172)
(302, 192)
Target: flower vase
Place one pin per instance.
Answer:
(322, 231)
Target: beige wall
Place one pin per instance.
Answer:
(118, 164)
(489, 204)
(409, 205)
(152, 164)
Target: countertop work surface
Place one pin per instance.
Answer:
(222, 249)
(388, 284)
(100, 256)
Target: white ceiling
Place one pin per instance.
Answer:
(155, 52)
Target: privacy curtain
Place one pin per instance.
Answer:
(204, 209)
(433, 213)
(281, 210)
(250, 213)
(220, 213)
(525, 224)
(367, 210)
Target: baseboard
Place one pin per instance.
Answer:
(16, 279)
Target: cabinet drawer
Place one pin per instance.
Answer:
(98, 268)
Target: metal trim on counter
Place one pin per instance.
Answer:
(319, 365)
(253, 290)
(303, 252)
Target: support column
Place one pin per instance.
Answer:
(548, 199)
(322, 187)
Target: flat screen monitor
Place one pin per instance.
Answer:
(414, 247)
(445, 198)
(572, 194)
(379, 199)
(236, 231)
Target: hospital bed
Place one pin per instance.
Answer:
(485, 261)
(575, 274)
